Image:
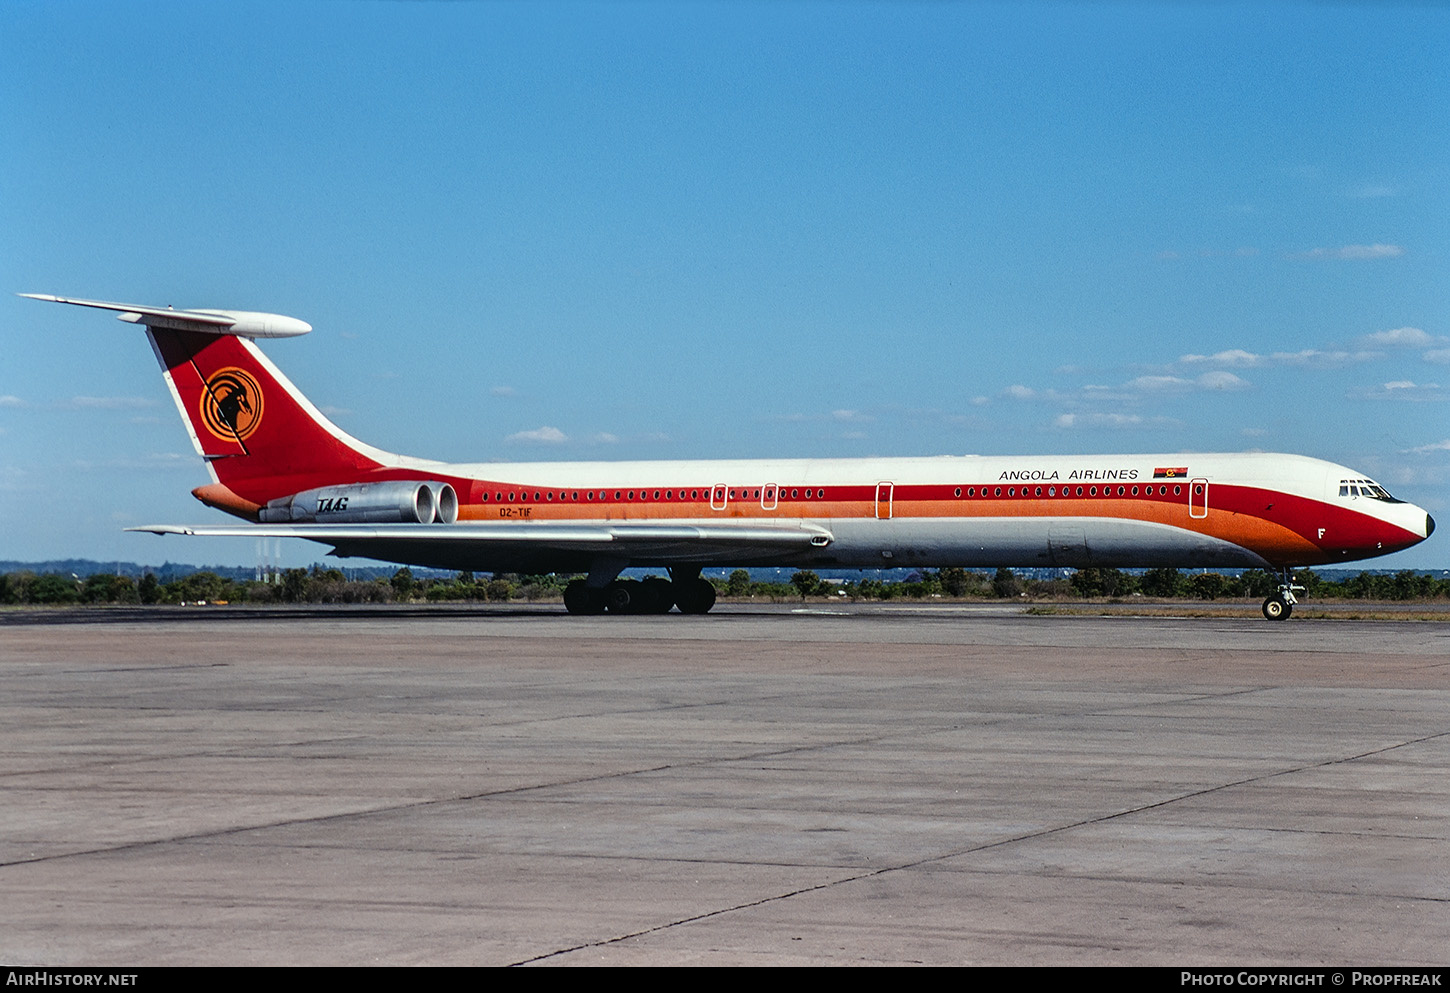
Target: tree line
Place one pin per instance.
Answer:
(320, 585)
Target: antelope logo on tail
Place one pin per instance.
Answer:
(231, 407)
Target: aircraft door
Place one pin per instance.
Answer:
(717, 497)
(884, 492)
(768, 497)
(1198, 498)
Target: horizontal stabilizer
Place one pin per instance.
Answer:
(247, 323)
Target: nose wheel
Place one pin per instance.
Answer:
(1276, 608)
(1281, 604)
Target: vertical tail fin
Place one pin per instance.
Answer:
(261, 437)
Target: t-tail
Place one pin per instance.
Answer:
(262, 439)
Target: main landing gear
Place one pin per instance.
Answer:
(1281, 604)
(691, 594)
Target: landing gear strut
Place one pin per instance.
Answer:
(1281, 604)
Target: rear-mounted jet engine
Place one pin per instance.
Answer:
(407, 502)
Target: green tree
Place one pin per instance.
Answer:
(403, 584)
(202, 585)
(1207, 585)
(1256, 583)
(1410, 585)
(806, 582)
(104, 587)
(499, 590)
(1005, 583)
(1102, 582)
(293, 588)
(738, 584)
(1163, 583)
(953, 581)
(53, 588)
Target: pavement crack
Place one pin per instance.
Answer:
(987, 846)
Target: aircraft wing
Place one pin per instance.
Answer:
(543, 546)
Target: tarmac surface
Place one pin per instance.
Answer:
(847, 785)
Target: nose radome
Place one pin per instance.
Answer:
(1429, 525)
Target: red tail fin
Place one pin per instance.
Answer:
(261, 436)
(262, 439)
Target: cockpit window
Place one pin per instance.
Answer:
(1366, 488)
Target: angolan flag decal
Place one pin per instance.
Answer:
(1170, 472)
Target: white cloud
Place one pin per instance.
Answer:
(1105, 420)
(1155, 384)
(1401, 389)
(1242, 252)
(1315, 357)
(150, 462)
(1019, 392)
(604, 438)
(1135, 390)
(11, 401)
(1221, 380)
(1441, 355)
(1408, 337)
(842, 416)
(1439, 446)
(544, 435)
(112, 403)
(1375, 251)
(1235, 357)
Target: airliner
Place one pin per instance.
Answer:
(288, 472)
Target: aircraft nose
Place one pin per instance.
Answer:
(1429, 525)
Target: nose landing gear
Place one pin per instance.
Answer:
(1281, 604)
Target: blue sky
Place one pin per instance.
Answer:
(614, 231)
